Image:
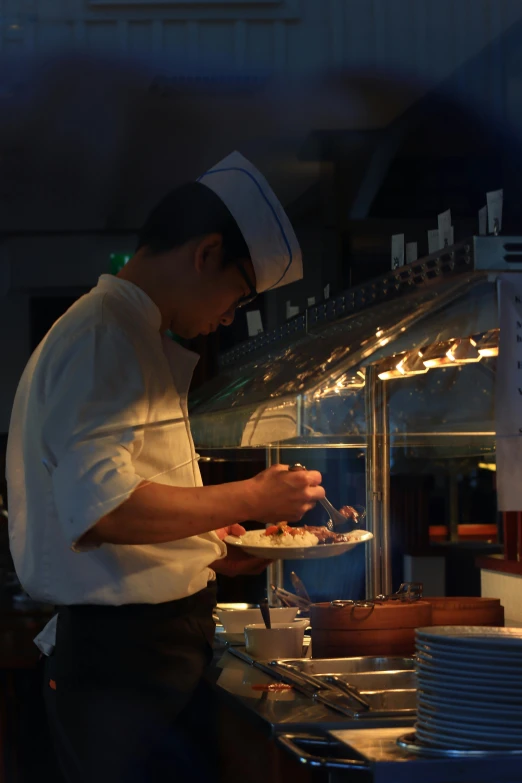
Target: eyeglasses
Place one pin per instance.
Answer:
(247, 298)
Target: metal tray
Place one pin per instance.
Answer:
(367, 682)
(386, 685)
(335, 686)
(389, 699)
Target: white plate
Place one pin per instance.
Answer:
(513, 732)
(495, 724)
(472, 636)
(471, 742)
(473, 696)
(301, 552)
(476, 657)
(448, 740)
(440, 741)
(470, 738)
(446, 676)
(464, 706)
(471, 700)
(508, 662)
(441, 684)
(478, 676)
(482, 717)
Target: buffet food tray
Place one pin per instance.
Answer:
(372, 688)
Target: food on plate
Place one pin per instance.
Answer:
(326, 536)
(349, 512)
(287, 536)
(280, 535)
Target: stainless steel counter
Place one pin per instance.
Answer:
(374, 755)
(343, 749)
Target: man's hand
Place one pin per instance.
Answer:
(231, 530)
(238, 563)
(280, 494)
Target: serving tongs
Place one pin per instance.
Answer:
(289, 599)
(299, 587)
(407, 593)
(332, 692)
(329, 684)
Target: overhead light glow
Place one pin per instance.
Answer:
(463, 352)
(487, 344)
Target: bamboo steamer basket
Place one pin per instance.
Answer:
(382, 629)
(466, 611)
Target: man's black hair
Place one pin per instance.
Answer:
(189, 212)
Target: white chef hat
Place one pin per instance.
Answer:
(273, 245)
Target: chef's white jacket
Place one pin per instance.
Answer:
(101, 406)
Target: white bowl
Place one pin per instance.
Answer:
(234, 621)
(282, 640)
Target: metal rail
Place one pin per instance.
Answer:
(378, 550)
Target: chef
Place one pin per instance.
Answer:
(108, 516)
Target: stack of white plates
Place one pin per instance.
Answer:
(469, 688)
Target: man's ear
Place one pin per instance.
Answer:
(208, 252)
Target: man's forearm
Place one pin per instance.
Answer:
(158, 513)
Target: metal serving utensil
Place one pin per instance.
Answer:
(333, 692)
(289, 599)
(299, 587)
(350, 690)
(407, 592)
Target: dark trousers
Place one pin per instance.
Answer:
(123, 691)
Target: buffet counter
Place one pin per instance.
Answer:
(282, 735)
